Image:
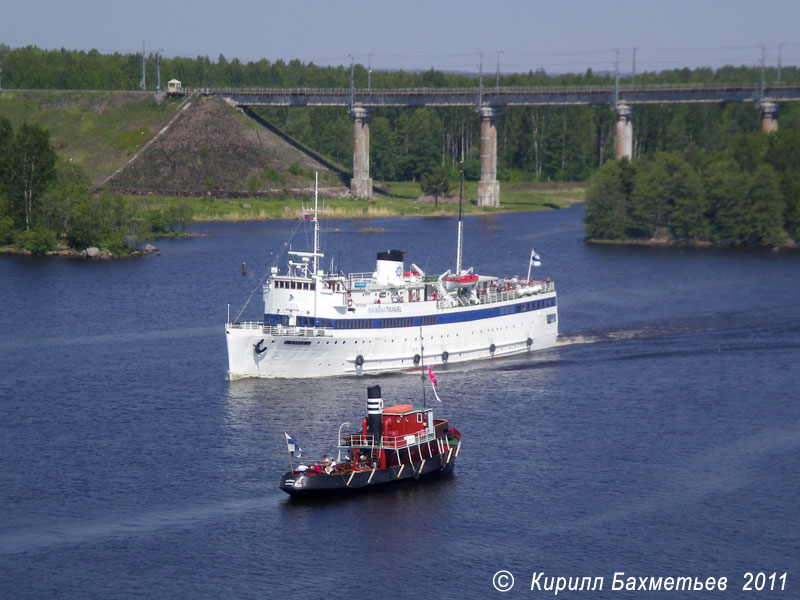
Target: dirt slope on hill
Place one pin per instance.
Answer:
(214, 149)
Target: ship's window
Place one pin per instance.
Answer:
(551, 318)
(419, 417)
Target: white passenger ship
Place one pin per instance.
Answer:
(319, 324)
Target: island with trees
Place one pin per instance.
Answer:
(745, 194)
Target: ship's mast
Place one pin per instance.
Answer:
(316, 222)
(460, 225)
(316, 254)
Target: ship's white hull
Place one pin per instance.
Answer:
(325, 353)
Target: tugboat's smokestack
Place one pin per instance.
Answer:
(375, 412)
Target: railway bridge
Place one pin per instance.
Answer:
(488, 101)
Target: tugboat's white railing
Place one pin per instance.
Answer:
(389, 442)
(401, 441)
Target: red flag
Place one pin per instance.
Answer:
(431, 376)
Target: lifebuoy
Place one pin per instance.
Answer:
(417, 358)
(359, 360)
(349, 300)
(445, 356)
(492, 348)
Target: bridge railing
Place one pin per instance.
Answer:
(489, 91)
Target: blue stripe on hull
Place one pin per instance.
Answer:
(446, 317)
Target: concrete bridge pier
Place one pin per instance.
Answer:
(769, 116)
(488, 186)
(361, 183)
(624, 138)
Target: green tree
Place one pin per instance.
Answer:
(685, 200)
(726, 192)
(436, 184)
(29, 169)
(383, 149)
(647, 207)
(70, 185)
(765, 217)
(783, 154)
(607, 200)
(6, 142)
(422, 143)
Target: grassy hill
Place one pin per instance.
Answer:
(210, 149)
(97, 130)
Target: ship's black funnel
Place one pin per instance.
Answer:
(375, 412)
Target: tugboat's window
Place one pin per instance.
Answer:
(419, 417)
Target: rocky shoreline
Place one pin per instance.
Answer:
(92, 253)
(663, 243)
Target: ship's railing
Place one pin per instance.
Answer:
(357, 440)
(360, 277)
(246, 325)
(503, 293)
(401, 441)
(387, 442)
(281, 329)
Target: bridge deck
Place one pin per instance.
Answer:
(509, 96)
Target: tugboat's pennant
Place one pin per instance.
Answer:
(434, 383)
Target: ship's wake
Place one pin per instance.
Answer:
(77, 533)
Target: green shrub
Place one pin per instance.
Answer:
(38, 240)
(6, 230)
(253, 184)
(114, 242)
(272, 174)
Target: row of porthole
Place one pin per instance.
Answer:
(445, 355)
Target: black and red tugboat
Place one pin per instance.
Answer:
(398, 443)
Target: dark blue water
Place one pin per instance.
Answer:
(661, 439)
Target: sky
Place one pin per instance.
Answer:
(557, 35)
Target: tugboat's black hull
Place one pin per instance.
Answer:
(318, 485)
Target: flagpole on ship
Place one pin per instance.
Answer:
(530, 264)
(288, 451)
(316, 221)
(460, 225)
(422, 367)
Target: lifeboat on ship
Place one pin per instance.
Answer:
(463, 281)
